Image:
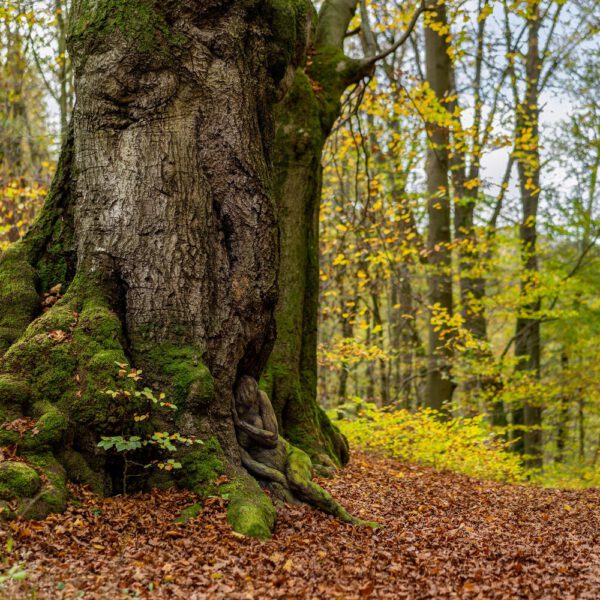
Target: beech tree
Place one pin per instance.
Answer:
(439, 235)
(161, 231)
(304, 120)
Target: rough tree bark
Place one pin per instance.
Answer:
(162, 230)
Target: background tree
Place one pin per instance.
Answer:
(439, 74)
(481, 116)
(25, 140)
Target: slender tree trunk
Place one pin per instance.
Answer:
(409, 342)
(395, 345)
(347, 332)
(581, 424)
(563, 414)
(370, 372)
(439, 383)
(16, 150)
(472, 285)
(527, 343)
(384, 391)
(64, 97)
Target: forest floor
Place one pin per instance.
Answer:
(443, 536)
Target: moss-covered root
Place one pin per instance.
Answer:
(55, 373)
(33, 488)
(299, 475)
(323, 442)
(250, 511)
(18, 480)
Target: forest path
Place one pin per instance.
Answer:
(444, 536)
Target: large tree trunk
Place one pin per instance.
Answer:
(162, 228)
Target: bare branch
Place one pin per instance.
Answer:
(500, 200)
(371, 60)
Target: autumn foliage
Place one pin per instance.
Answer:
(448, 252)
(443, 536)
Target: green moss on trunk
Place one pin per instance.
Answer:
(303, 121)
(19, 300)
(201, 465)
(142, 23)
(55, 374)
(182, 370)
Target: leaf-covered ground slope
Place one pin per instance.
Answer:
(444, 536)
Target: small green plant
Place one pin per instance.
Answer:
(163, 441)
(15, 572)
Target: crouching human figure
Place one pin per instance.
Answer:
(283, 468)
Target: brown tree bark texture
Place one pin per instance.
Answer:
(163, 204)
